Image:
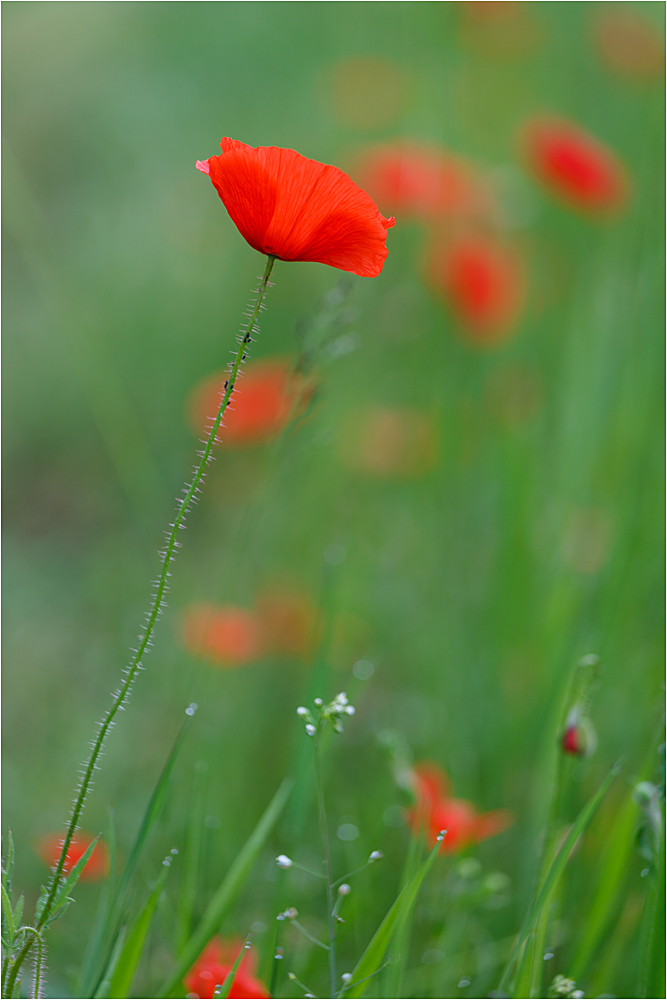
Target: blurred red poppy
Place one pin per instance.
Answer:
(215, 963)
(630, 45)
(436, 810)
(420, 180)
(265, 397)
(227, 635)
(391, 442)
(97, 865)
(293, 208)
(574, 166)
(289, 621)
(483, 283)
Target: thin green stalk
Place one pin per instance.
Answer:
(145, 640)
(327, 865)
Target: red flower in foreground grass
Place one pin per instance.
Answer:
(574, 165)
(420, 180)
(97, 865)
(227, 636)
(293, 208)
(214, 964)
(483, 283)
(266, 396)
(436, 810)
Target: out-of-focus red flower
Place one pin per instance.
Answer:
(265, 397)
(391, 442)
(227, 636)
(289, 621)
(215, 962)
(574, 166)
(293, 208)
(436, 810)
(630, 45)
(579, 737)
(368, 92)
(97, 865)
(483, 283)
(422, 181)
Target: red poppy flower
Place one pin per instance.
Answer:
(574, 165)
(226, 635)
(483, 282)
(214, 964)
(421, 180)
(436, 810)
(266, 396)
(293, 208)
(97, 864)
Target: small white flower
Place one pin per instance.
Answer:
(301, 711)
(283, 861)
(341, 698)
(319, 702)
(344, 889)
(350, 709)
(376, 856)
(346, 977)
(310, 730)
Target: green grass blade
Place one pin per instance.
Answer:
(8, 917)
(652, 972)
(554, 872)
(225, 987)
(129, 957)
(105, 983)
(90, 981)
(191, 858)
(228, 890)
(612, 872)
(372, 959)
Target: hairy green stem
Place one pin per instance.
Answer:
(121, 695)
(327, 864)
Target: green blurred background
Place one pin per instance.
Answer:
(472, 587)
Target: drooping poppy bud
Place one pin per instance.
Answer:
(579, 737)
(293, 208)
(575, 166)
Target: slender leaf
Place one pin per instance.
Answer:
(62, 898)
(223, 990)
(228, 890)
(105, 982)
(191, 852)
(90, 982)
(129, 957)
(554, 872)
(8, 916)
(8, 866)
(18, 911)
(371, 960)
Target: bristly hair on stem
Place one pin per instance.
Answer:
(248, 330)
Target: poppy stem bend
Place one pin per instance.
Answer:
(121, 695)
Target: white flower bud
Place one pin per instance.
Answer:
(341, 698)
(376, 856)
(346, 977)
(344, 889)
(441, 836)
(283, 861)
(319, 702)
(301, 711)
(310, 730)
(350, 709)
